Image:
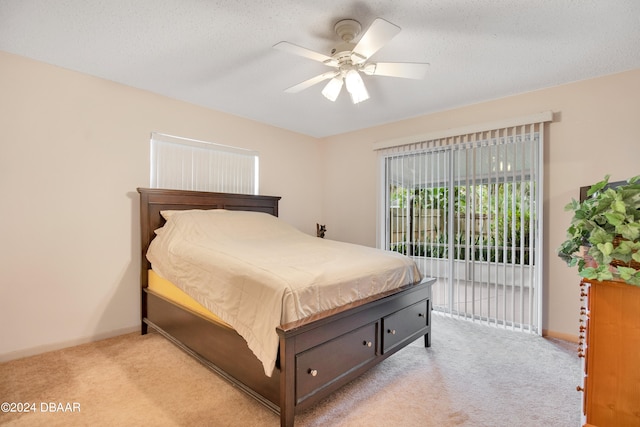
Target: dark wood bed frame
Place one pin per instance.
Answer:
(317, 355)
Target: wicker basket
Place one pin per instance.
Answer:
(617, 263)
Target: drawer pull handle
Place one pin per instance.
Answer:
(367, 343)
(391, 331)
(420, 315)
(579, 388)
(313, 372)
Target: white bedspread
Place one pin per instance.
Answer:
(256, 272)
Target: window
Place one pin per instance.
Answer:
(467, 208)
(187, 164)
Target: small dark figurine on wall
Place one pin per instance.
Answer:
(320, 230)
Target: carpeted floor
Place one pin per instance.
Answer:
(472, 375)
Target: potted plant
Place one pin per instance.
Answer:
(603, 240)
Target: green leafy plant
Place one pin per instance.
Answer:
(603, 239)
(501, 232)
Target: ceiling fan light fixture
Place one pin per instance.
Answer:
(333, 88)
(355, 86)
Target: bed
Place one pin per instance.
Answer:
(315, 355)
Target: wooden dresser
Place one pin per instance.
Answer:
(610, 346)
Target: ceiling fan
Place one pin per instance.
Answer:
(349, 59)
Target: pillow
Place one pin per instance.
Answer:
(223, 223)
(168, 214)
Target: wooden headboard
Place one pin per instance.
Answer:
(154, 200)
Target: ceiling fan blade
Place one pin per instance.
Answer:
(407, 70)
(312, 81)
(377, 35)
(307, 53)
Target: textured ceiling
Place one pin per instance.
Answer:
(219, 54)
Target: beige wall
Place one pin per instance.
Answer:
(595, 132)
(73, 149)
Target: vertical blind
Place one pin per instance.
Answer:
(187, 164)
(467, 208)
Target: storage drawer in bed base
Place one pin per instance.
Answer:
(303, 346)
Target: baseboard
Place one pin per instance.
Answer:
(19, 354)
(560, 335)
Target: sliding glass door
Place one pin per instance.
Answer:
(468, 212)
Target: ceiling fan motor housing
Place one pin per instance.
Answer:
(343, 50)
(347, 29)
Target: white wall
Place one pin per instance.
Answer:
(595, 132)
(73, 150)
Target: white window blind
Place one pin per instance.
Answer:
(466, 205)
(187, 164)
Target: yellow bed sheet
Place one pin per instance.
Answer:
(168, 290)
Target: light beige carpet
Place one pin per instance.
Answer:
(472, 375)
